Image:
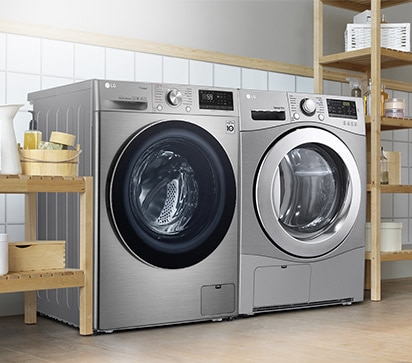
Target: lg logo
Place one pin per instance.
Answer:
(230, 127)
(110, 85)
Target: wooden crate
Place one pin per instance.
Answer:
(36, 255)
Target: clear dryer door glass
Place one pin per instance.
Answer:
(314, 181)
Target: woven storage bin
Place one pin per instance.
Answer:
(50, 162)
(394, 36)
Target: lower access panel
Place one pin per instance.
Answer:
(218, 299)
(281, 285)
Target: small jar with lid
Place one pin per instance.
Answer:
(395, 107)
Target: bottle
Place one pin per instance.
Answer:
(355, 86)
(32, 136)
(384, 168)
(367, 99)
(384, 97)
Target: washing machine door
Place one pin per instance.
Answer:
(308, 192)
(171, 194)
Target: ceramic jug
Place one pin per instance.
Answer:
(9, 154)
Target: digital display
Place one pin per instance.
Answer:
(216, 100)
(342, 108)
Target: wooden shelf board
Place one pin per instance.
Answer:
(393, 188)
(392, 123)
(41, 280)
(392, 256)
(359, 60)
(361, 5)
(31, 184)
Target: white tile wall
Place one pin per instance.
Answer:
(2, 87)
(57, 58)
(304, 84)
(2, 211)
(148, 67)
(281, 82)
(18, 85)
(28, 64)
(119, 64)
(89, 62)
(23, 54)
(175, 70)
(227, 76)
(254, 79)
(2, 51)
(200, 73)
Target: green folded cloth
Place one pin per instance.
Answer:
(47, 145)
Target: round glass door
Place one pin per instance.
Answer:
(308, 192)
(171, 194)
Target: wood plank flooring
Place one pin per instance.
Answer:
(364, 332)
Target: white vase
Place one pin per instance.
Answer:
(9, 154)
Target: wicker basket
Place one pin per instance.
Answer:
(50, 162)
(393, 36)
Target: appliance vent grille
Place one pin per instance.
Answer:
(346, 301)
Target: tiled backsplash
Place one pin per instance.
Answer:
(28, 64)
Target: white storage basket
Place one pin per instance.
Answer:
(394, 36)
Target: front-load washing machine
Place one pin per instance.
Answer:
(303, 192)
(164, 160)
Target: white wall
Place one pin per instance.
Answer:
(278, 30)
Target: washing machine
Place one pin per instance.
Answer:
(303, 180)
(165, 162)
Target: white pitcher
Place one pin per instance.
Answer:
(9, 155)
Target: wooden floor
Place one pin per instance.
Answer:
(364, 332)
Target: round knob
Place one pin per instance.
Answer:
(308, 106)
(174, 97)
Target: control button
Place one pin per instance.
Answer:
(174, 97)
(188, 109)
(308, 106)
(296, 116)
(321, 117)
(159, 107)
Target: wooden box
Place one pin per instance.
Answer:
(50, 162)
(394, 166)
(36, 255)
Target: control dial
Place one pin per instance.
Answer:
(174, 97)
(308, 106)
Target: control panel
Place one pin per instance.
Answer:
(304, 107)
(340, 111)
(191, 99)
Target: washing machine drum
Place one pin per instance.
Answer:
(171, 194)
(308, 192)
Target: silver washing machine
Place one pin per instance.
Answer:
(303, 201)
(164, 160)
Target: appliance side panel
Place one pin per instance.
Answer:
(71, 113)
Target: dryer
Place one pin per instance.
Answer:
(303, 195)
(164, 160)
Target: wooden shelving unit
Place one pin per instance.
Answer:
(369, 61)
(31, 281)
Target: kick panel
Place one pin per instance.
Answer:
(281, 285)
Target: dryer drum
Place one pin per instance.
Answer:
(314, 181)
(171, 194)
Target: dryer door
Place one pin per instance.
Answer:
(308, 192)
(171, 194)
